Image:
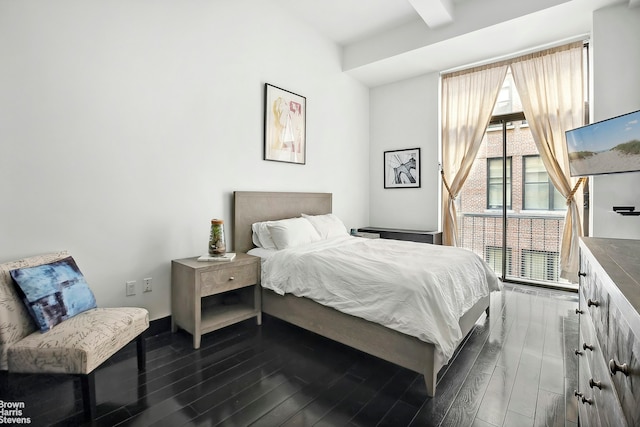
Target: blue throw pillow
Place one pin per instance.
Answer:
(53, 292)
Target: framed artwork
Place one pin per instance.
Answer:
(402, 168)
(284, 125)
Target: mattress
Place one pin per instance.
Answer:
(418, 289)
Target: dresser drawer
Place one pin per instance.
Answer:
(624, 348)
(588, 345)
(596, 300)
(587, 406)
(600, 385)
(227, 278)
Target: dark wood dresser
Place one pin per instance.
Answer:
(609, 349)
(433, 237)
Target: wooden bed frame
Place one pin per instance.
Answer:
(372, 338)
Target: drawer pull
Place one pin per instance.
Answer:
(581, 273)
(593, 383)
(232, 278)
(578, 311)
(616, 367)
(578, 352)
(586, 346)
(576, 393)
(590, 303)
(587, 400)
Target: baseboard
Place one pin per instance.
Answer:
(159, 326)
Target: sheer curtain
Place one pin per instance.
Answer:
(550, 85)
(468, 98)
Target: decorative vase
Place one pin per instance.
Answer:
(217, 246)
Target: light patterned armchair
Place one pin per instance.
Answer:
(76, 346)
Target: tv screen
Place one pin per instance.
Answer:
(609, 146)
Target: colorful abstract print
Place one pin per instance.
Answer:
(53, 292)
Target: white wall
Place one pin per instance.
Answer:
(126, 126)
(616, 66)
(405, 115)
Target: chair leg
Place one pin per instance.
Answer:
(88, 385)
(141, 346)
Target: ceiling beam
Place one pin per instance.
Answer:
(435, 12)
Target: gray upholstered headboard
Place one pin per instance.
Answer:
(255, 206)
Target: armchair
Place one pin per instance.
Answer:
(76, 346)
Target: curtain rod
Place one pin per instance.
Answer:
(584, 37)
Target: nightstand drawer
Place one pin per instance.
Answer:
(228, 278)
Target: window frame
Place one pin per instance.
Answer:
(551, 205)
(509, 184)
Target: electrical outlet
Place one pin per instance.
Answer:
(147, 284)
(131, 288)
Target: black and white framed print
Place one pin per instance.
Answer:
(402, 168)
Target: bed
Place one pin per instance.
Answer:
(370, 337)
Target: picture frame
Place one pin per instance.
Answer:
(402, 168)
(284, 125)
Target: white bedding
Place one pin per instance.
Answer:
(415, 288)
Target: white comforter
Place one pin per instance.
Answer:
(415, 288)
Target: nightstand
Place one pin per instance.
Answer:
(206, 296)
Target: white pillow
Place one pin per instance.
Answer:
(261, 236)
(327, 225)
(289, 233)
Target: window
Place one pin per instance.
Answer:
(505, 101)
(539, 192)
(493, 256)
(494, 183)
(514, 204)
(540, 265)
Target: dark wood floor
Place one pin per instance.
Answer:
(515, 368)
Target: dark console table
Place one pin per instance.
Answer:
(433, 237)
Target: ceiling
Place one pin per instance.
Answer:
(348, 21)
(388, 40)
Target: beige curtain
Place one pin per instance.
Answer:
(468, 98)
(550, 85)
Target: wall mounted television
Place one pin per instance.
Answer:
(608, 146)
